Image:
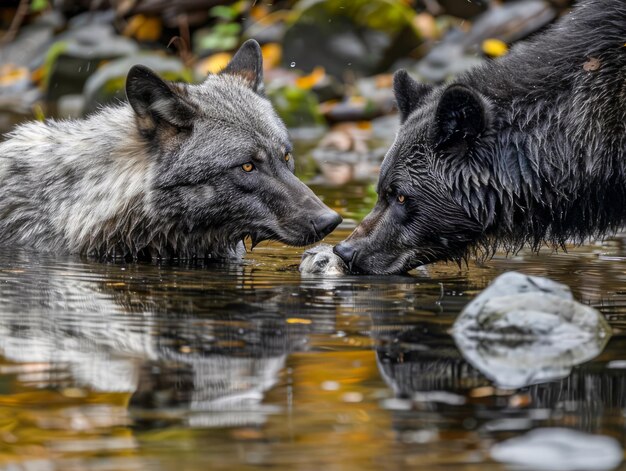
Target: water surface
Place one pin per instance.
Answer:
(251, 366)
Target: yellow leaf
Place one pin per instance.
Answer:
(144, 28)
(10, 74)
(495, 47)
(297, 320)
(272, 52)
(309, 81)
(214, 64)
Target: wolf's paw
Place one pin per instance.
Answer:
(320, 260)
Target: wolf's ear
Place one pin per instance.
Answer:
(460, 118)
(409, 93)
(156, 102)
(247, 63)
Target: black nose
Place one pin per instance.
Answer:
(326, 223)
(346, 251)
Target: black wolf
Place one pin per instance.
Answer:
(527, 149)
(181, 171)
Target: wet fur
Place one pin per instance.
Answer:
(161, 176)
(557, 145)
(525, 150)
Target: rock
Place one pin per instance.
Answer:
(320, 260)
(17, 108)
(460, 51)
(446, 60)
(463, 9)
(194, 12)
(328, 88)
(107, 83)
(362, 36)
(92, 17)
(384, 129)
(30, 44)
(78, 53)
(297, 107)
(346, 154)
(375, 98)
(524, 330)
(559, 449)
(270, 30)
(70, 106)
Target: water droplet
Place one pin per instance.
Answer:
(293, 64)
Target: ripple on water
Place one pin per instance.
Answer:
(116, 366)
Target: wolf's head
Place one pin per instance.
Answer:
(223, 162)
(434, 200)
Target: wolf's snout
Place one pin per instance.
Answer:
(346, 251)
(326, 223)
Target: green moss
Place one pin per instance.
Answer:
(53, 54)
(297, 107)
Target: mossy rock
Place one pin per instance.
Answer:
(107, 84)
(364, 36)
(297, 107)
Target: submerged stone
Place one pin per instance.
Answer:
(524, 330)
(320, 260)
(559, 449)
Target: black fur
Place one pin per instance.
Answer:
(525, 150)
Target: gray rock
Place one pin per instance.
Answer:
(17, 107)
(320, 260)
(77, 55)
(559, 449)
(70, 106)
(460, 51)
(341, 38)
(32, 42)
(447, 60)
(264, 32)
(524, 330)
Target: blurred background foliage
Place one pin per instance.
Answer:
(328, 63)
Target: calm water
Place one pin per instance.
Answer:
(134, 367)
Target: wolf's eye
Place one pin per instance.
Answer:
(287, 156)
(401, 199)
(248, 167)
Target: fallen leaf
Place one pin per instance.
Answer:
(494, 47)
(214, 64)
(272, 52)
(144, 28)
(309, 81)
(10, 73)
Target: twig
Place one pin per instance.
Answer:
(20, 14)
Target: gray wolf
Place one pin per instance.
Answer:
(180, 171)
(529, 149)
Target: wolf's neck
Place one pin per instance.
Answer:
(545, 192)
(112, 206)
(111, 195)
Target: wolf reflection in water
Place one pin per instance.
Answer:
(218, 356)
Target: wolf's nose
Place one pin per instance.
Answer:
(326, 223)
(346, 251)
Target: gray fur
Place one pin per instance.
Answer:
(162, 176)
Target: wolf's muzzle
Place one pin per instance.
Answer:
(347, 252)
(326, 223)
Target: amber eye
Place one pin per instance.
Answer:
(401, 199)
(248, 167)
(287, 156)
